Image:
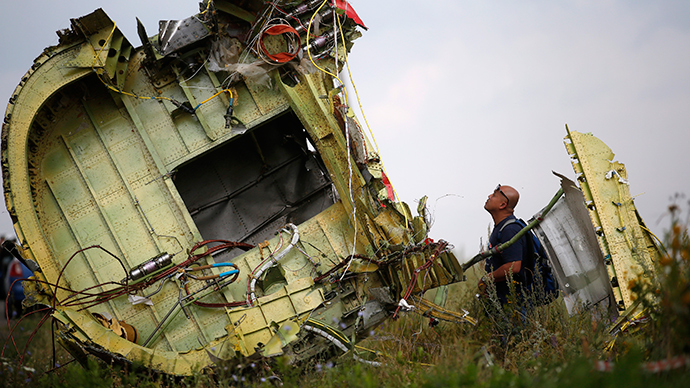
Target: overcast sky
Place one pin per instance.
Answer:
(463, 95)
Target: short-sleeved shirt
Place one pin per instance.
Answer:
(516, 252)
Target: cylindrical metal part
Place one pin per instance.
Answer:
(159, 262)
(301, 27)
(320, 42)
(303, 8)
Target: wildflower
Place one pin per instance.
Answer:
(675, 243)
(665, 260)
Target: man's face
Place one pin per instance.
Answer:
(494, 201)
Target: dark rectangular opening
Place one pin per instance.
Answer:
(249, 188)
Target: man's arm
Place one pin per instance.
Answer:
(502, 272)
(512, 256)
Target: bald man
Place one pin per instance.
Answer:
(501, 204)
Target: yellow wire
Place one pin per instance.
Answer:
(378, 353)
(98, 56)
(620, 217)
(370, 350)
(120, 91)
(657, 238)
(208, 6)
(348, 342)
(347, 102)
(109, 86)
(332, 330)
(311, 21)
(216, 95)
(361, 109)
(337, 334)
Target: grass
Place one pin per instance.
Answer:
(548, 349)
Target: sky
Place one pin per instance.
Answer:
(464, 95)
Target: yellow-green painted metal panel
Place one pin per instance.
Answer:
(92, 143)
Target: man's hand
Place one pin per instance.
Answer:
(482, 287)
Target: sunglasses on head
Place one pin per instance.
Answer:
(498, 188)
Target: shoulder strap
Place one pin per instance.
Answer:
(510, 221)
(529, 237)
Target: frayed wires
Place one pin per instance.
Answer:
(230, 119)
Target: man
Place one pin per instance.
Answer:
(508, 264)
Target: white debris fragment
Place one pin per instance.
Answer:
(136, 299)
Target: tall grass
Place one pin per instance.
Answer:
(545, 348)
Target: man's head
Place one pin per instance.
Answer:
(501, 203)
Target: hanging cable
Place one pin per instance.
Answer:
(99, 74)
(311, 21)
(336, 338)
(361, 109)
(345, 118)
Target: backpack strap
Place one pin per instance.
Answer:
(510, 221)
(537, 255)
(529, 266)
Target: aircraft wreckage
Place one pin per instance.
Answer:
(210, 195)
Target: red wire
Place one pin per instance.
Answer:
(280, 29)
(413, 279)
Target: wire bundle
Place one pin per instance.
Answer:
(292, 40)
(441, 246)
(86, 298)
